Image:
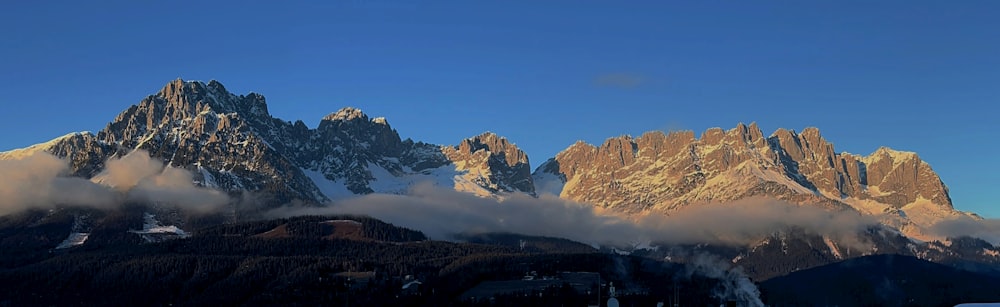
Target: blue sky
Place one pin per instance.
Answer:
(912, 75)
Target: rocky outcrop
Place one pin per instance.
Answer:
(902, 178)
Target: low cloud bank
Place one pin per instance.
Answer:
(986, 229)
(41, 181)
(747, 220)
(144, 179)
(38, 181)
(440, 213)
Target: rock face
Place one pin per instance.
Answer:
(231, 142)
(493, 162)
(658, 171)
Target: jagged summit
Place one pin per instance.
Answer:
(501, 166)
(895, 154)
(216, 86)
(196, 96)
(490, 141)
(346, 114)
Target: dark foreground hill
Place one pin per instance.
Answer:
(881, 280)
(362, 261)
(312, 260)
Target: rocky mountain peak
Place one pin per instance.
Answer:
(885, 152)
(495, 144)
(216, 86)
(346, 114)
(713, 135)
(350, 128)
(189, 98)
(749, 134)
(814, 140)
(903, 178)
(578, 147)
(493, 162)
(173, 88)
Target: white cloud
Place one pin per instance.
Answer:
(41, 181)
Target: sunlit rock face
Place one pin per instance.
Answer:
(665, 172)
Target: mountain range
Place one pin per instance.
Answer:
(231, 143)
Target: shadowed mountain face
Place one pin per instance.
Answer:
(231, 142)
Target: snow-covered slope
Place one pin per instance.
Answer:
(22, 153)
(153, 231)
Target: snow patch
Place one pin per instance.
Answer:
(620, 252)
(386, 182)
(926, 213)
(412, 283)
(875, 190)
(548, 183)
(742, 177)
(833, 247)
(448, 175)
(153, 231)
(332, 189)
(18, 154)
(897, 157)
(353, 222)
(207, 179)
(74, 239)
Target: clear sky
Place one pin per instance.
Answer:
(912, 75)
